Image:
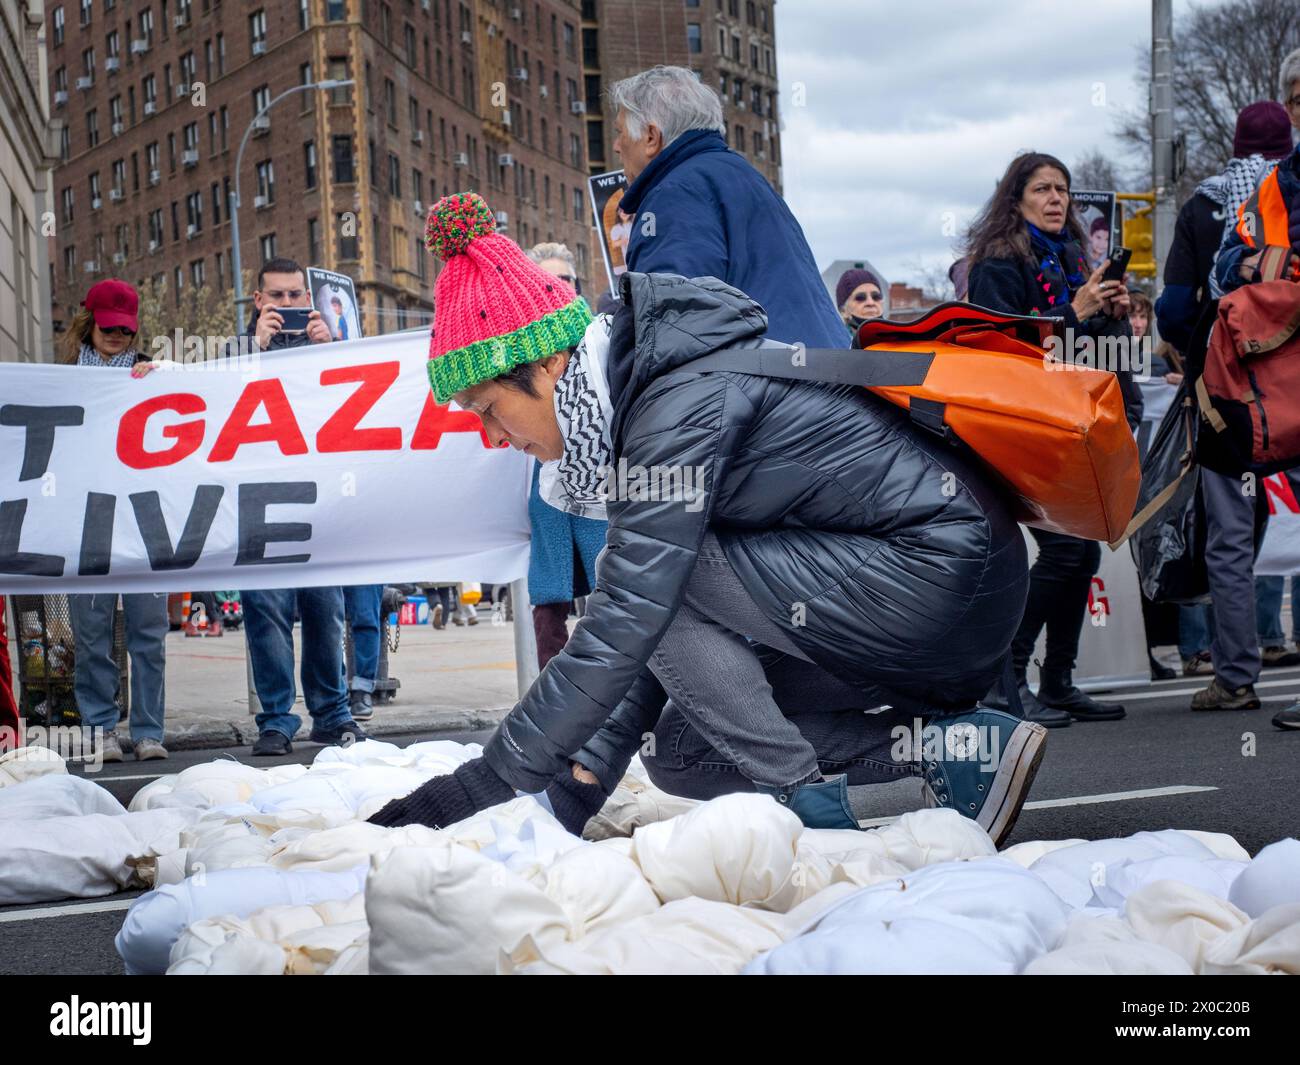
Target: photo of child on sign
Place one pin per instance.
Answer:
(615, 226)
(335, 297)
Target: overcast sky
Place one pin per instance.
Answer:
(913, 109)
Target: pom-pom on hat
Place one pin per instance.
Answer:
(494, 308)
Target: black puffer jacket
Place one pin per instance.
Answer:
(904, 567)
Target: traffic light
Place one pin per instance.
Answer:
(1138, 236)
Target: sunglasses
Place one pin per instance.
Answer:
(862, 297)
(118, 331)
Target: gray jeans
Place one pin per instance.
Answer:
(1233, 529)
(740, 714)
(96, 672)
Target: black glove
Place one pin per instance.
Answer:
(574, 802)
(445, 800)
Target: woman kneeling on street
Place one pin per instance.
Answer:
(793, 578)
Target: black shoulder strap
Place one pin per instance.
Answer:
(839, 366)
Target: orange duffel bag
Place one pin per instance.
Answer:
(1055, 435)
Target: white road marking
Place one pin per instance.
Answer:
(1083, 800)
(1168, 692)
(103, 906)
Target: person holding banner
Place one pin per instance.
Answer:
(1026, 253)
(816, 523)
(103, 333)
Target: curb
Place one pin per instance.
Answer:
(218, 734)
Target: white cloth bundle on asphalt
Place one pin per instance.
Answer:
(1106, 946)
(1271, 879)
(213, 783)
(156, 920)
(28, 763)
(82, 855)
(634, 802)
(56, 795)
(276, 940)
(980, 918)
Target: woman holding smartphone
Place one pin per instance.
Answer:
(1026, 250)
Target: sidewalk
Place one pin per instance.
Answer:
(453, 678)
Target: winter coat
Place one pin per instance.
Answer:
(702, 211)
(834, 511)
(564, 547)
(1228, 265)
(1197, 235)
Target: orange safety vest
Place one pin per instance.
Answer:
(1262, 219)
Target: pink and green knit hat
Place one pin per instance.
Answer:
(494, 308)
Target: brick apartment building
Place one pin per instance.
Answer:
(732, 43)
(450, 95)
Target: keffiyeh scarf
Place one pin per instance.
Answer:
(90, 357)
(1232, 188)
(576, 482)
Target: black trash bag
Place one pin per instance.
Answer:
(1169, 549)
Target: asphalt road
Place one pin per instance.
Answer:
(1161, 767)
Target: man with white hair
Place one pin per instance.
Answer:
(700, 210)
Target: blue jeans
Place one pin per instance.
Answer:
(268, 621)
(1268, 610)
(362, 603)
(1194, 623)
(97, 676)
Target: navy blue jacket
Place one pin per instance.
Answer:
(702, 211)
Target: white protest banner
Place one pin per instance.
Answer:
(321, 465)
(1279, 555)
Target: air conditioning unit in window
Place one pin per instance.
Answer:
(260, 202)
(154, 177)
(503, 219)
(506, 159)
(140, 46)
(182, 20)
(191, 231)
(259, 48)
(190, 157)
(578, 107)
(119, 257)
(521, 73)
(90, 266)
(150, 107)
(118, 129)
(154, 246)
(417, 137)
(85, 83)
(543, 91)
(183, 89)
(262, 125)
(466, 37)
(96, 204)
(418, 207)
(112, 64)
(116, 195)
(460, 159)
(506, 120)
(517, 13)
(60, 97)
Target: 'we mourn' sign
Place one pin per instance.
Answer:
(324, 465)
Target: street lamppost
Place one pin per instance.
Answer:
(328, 83)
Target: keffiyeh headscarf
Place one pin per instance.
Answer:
(1230, 190)
(577, 481)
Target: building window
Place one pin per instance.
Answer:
(569, 49)
(577, 205)
(343, 168)
(390, 101)
(257, 32)
(69, 198)
(58, 26)
(304, 14)
(266, 181)
(346, 228)
(336, 10)
(216, 204)
(694, 44)
(338, 71)
(194, 211)
(394, 175)
(313, 240)
(92, 128)
(309, 163)
(267, 246)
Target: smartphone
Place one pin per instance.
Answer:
(295, 318)
(1119, 258)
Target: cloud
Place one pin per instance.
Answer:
(912, 112)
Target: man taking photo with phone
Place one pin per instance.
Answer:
(279, 302)
(284, 318)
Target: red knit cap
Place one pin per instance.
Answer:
(494, 308)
